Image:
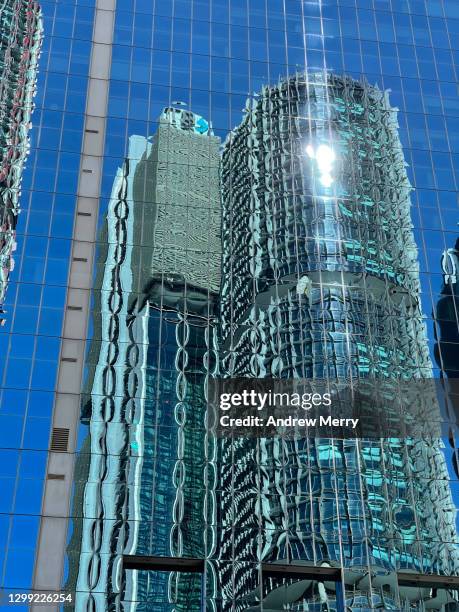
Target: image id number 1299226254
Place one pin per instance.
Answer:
(35, 597)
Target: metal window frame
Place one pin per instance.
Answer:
(284, 570)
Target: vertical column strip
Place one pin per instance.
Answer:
(50, 556)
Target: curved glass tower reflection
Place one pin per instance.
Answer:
(325, 237)
(321, 279)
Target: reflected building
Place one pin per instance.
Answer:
(446, 315)
(320, 279)
(21, 32)
(139, 476)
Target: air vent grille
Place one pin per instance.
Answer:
(56, 476)
(60, 439)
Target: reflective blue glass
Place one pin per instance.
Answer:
(52, 42)
(275, 187)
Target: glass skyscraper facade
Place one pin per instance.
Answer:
(218, 189)
(325, 284)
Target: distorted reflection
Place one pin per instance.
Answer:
(229, 259)
(21, 29)
(155, 295)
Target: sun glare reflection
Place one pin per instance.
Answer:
(324, 157)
